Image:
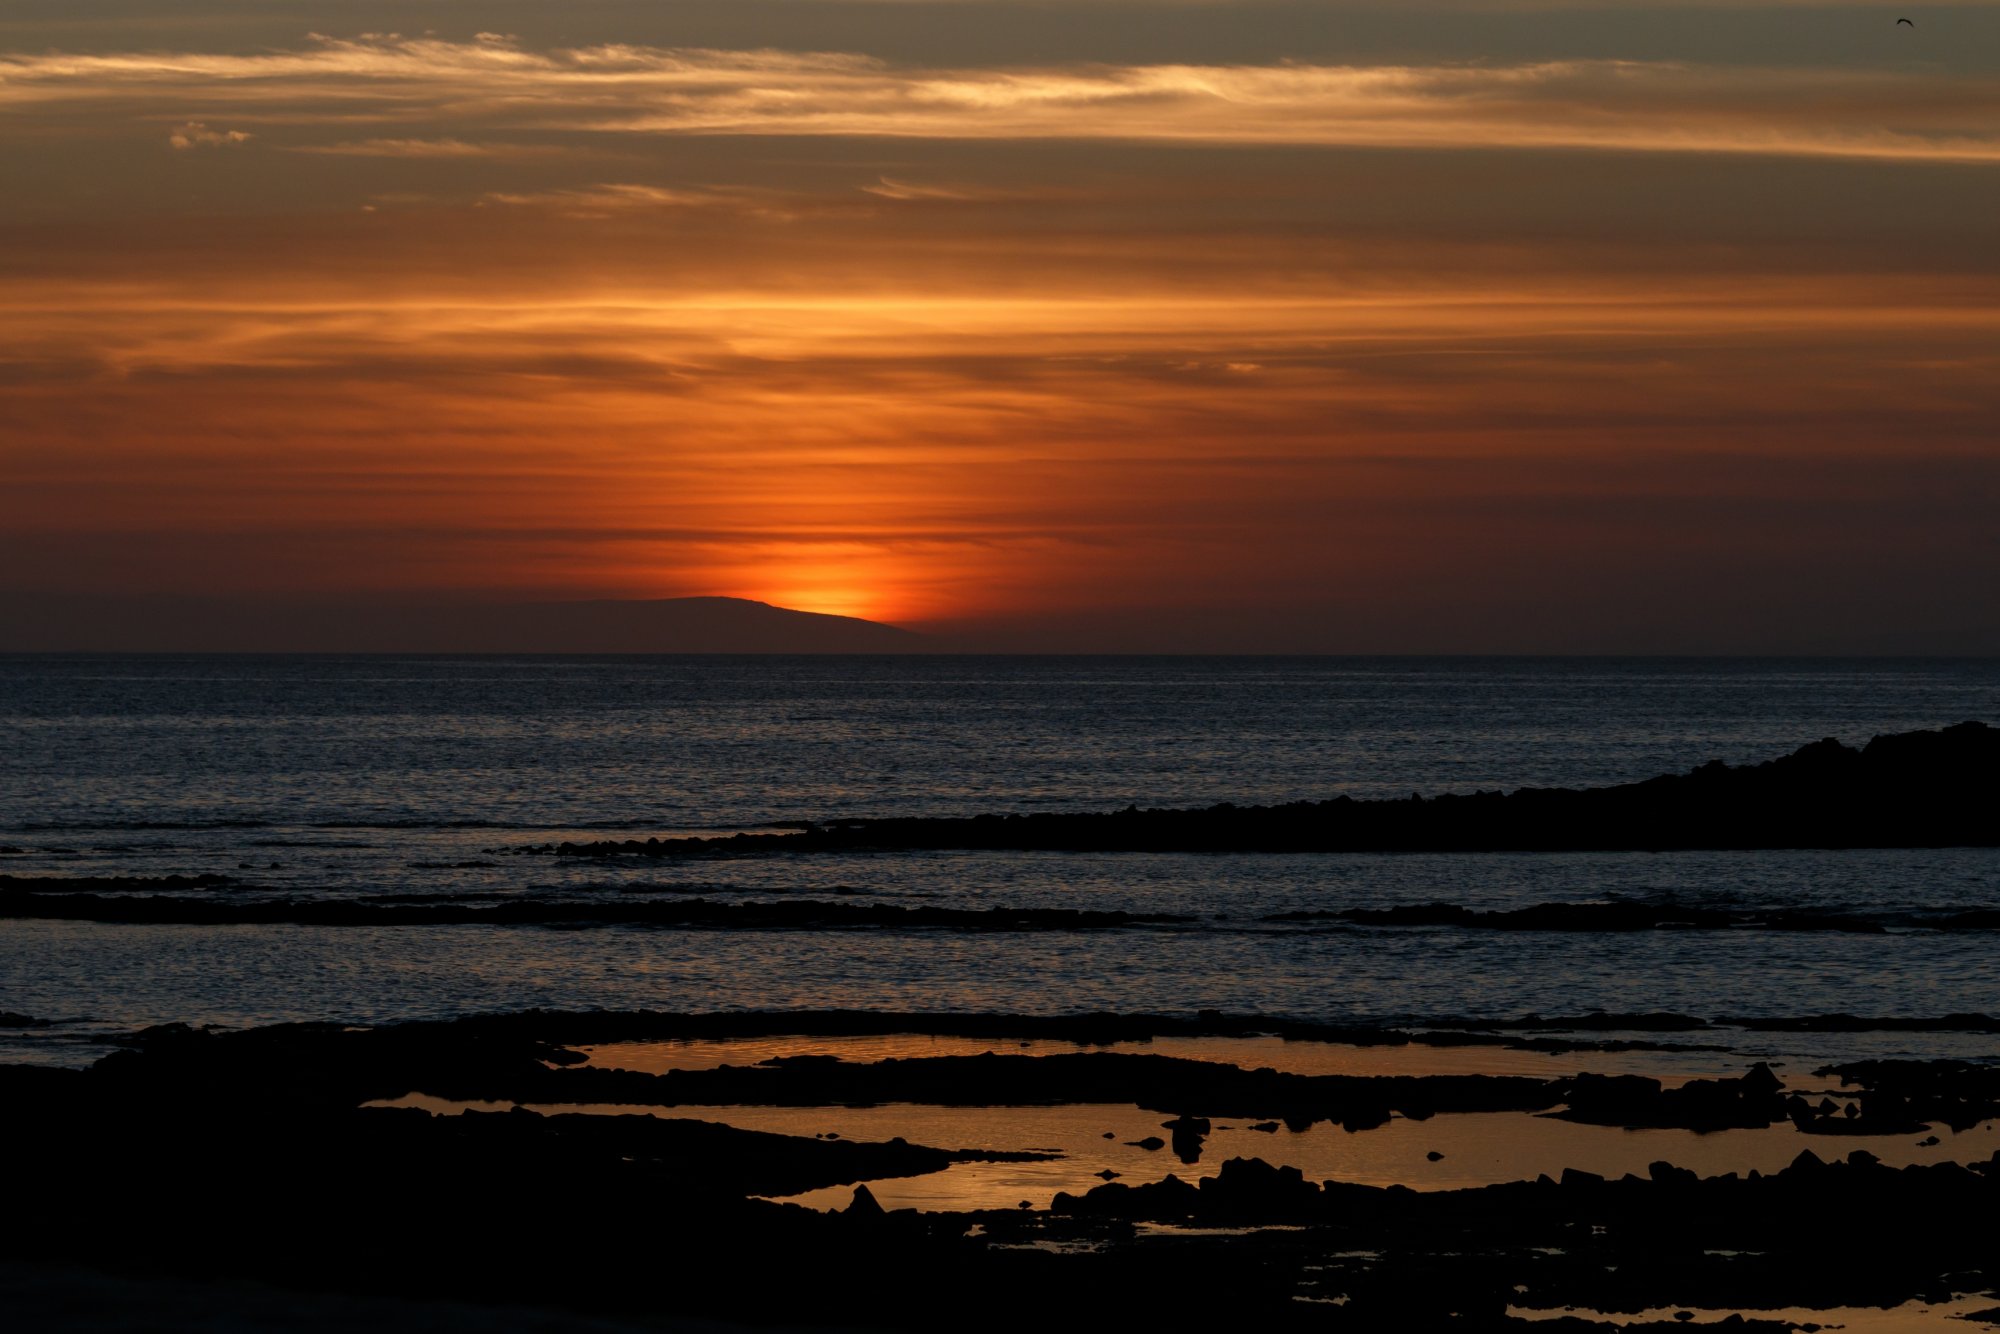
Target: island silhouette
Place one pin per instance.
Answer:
(654, 625)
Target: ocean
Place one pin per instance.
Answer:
(397, 781)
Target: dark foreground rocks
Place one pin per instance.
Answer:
(198, 1157)
(1910, 789)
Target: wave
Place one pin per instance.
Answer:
(21, 903)
(158, 900)
(1639, 916)
(100, 826)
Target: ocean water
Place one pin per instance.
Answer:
(388, 778)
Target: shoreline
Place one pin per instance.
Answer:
(179, 1110)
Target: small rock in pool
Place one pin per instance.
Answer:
(1434, 1156)
(1111, 1134)
(1928, 1142)
(1027, 1204)
(1268, 1127)
(1108, 1175)
(1149, 1143)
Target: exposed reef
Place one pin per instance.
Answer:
(336, 1065)
(1650, 916)
(53, 899)
(560, 1028)
(248, 1155)
(1909, 789)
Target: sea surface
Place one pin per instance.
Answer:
(421, 779)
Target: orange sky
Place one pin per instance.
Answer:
(1306, 346)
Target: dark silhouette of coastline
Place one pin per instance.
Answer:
(663, 625)
(1903, 790)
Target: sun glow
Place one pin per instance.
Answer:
(834, 588)
(831, 599)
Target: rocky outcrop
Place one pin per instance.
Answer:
(1911, 789)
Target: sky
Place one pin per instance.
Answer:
(1508, 326)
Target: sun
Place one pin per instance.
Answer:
(829, 600)
(832, 588)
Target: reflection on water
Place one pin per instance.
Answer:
(1478, 1148)
(1249, 1053)
(1912, 1317)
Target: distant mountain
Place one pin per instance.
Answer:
(680, 625)
(666, 625)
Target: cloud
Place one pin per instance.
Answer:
(496, 85)
(428, 148)
(196, 134)
(596, 201)
(888, 187)
(893, 189)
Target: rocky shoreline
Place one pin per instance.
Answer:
(252, 1155)
(1904, 790)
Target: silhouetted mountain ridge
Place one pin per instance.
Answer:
(663, 625)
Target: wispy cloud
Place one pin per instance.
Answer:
(196, 134)
(889, 187)
(428, 148)
(495, 85)
(594, 201)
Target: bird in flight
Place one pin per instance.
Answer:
(1911, 22)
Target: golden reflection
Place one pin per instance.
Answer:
(1478, 1148)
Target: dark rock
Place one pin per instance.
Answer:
(1665, 1173)
(1700, 1104)
(1150, 1143)
(1912, 789)
(1364, 1116)
(864, 1204)
(1760, 1080)
(1188, 1133)
(1250, 1188)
